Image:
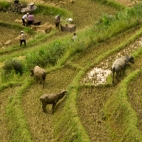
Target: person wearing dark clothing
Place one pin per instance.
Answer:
(22, 38)
(16, 1)
(57, 21)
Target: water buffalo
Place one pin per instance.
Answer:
(39, 73)
(119, 65)
(51, 99)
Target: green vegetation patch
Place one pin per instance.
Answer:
(4, 5)
(112, 3)
(50, 10)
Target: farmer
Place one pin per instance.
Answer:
(22, 38)
(57, 21)
(25, 18)
(74, 37)
(16, 1)
(30, 20)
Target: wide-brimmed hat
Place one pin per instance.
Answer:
(21, 31)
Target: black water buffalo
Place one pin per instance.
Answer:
(119, 65)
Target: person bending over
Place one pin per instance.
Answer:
(25, 18)
(30, 19)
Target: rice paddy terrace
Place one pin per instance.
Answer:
(94, 110)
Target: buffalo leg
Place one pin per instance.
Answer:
(53, 107)
(44, 107)
(112, 77)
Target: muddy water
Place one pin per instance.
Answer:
(99, 74)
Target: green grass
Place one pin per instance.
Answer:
(4, 5)
(50, 10)
(112, 3)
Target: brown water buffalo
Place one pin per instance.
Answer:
(51, 99)
(39, 73)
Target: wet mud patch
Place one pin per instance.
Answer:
(97, 76)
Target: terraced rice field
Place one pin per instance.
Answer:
(90, 112)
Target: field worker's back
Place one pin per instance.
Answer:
(57, 18)
(22, 36)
